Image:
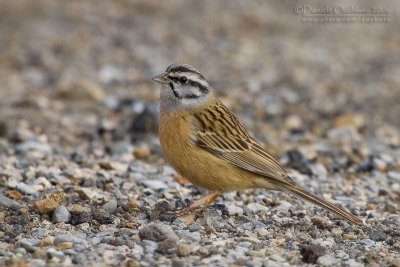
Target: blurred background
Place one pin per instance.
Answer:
(76, 71)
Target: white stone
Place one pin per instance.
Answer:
(327, 260)
(234, 210)
(353, 263)
(318, 169)
(284, 206)
(154, 184)
(255, 207)
(276, 257)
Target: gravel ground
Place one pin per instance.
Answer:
(82, 177)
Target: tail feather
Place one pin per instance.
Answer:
(302, 193)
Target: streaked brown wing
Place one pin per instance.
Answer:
(219, 132)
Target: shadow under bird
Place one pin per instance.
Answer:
(205, 143)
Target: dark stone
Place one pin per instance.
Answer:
(178, 263)
(335, 167)
(120, 241)
(20, 220)
(312, 253)
(390, 207)
(366, 166)
(102, 216)
(167, 246)
(120, 257)
(378, 235)
(297, 131)
(180, 204)
(164, 217)
(220, 207)
(78, 217)
(393, 240)
(298, 162)
(3, 129)
(78, 258)
(163, 205)
(77, 157)
(146, 121)
(107, 240)
(13, 230)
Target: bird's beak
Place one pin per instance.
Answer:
(161, 78)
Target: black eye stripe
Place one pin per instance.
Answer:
(201, 87)
(175, 79)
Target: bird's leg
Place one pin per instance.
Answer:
(210, 198)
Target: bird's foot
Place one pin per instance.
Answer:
(194, 207)
(186, 210)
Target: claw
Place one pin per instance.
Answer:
(194, 207)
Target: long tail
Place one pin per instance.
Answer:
(302, 193)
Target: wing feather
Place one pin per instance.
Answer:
(228, 139)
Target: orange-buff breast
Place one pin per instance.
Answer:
(200, 167)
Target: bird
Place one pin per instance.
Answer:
(206, 144)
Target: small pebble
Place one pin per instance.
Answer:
(350, 237)
(141, 153)
(254, 208)
(234, 210)
(110, 206)
(14, 195)
(53, 253)
(158, 232)
(367, 242)
(64, 245)
(354, 263)
(378, 235)
(79, 215)
(49, 240)
(28, 246)
(395, 176)
(61, 214)
(86, 193)
(312, 253)
(46, 206)
(203, 251)
(155, 184)
(276, 257)
(327, 260)
(184, 250)
(8, 203)
(58, 239)
(345, 133)
(26, 189)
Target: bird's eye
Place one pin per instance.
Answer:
(183, 79)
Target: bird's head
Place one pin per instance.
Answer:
(183, 86)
